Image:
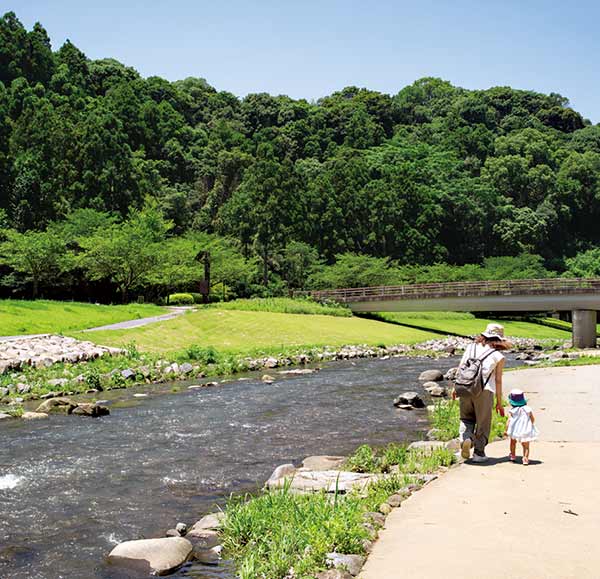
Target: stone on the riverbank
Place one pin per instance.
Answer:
(282, 471)
(56, 405)
(211, 522)
(128, 374)
(409, 398)
(323, 462)
(385, 509)
(152, 556)
(93, 410)
(34, 415)
(395, 500)
(185, 368)
(271, 363)
(207, 556)
(58, 382)
(4, 416)
(431, 376)
(453, 444)
(333, 574)
(374, 518)
(204, 538)
(351, 563)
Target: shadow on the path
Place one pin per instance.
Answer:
(494, 461)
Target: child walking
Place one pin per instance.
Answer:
(520, 427)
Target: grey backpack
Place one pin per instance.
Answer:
(469, 381)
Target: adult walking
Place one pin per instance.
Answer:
(476, 411)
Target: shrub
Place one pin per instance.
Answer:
(181, 299)
(208, 355)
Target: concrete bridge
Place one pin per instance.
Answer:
(580, 296)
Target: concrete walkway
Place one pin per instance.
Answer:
(175, 311)
(504, 520)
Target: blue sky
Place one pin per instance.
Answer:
(308, 49)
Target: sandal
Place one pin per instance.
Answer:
(525, 461)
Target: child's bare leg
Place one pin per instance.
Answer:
(525, 452)
(513, 446)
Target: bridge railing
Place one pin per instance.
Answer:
(552, 286)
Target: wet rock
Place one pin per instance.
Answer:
(172, 533)
(213, 522)
(181, 528)
(204, 538)
(299, 371)
(140, 395)
(431, 376)
(351, 563)
(34, 415)
(267, 379)
(404, 406)
(56, 405)
(207, 556)
(437, 391)
(323, 462)
(93, 410)
(185, 368)
(411, 398)
(152, 556)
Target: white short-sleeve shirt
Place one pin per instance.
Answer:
(475, 350)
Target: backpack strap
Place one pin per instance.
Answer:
(493, 370)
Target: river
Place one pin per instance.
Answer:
(71, 487)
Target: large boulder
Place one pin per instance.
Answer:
(431, 376)
(409, 399)
(283, 471)
(56, 405)
(152, 556)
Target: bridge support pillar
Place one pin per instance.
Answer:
(584, 328)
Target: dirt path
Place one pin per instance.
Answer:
(504, 520)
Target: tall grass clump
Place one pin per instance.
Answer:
(285, 306)
(278, 531)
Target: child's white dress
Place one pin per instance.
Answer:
(520, 426)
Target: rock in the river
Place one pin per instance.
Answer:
(4, 416)
(351, 563)
(204, 538)
(152, 556)
(282, 471)
(299, 371)
(437, 390)
(431, 376)
(451, 374)
(181, 528)
(268, 379)
(56, 405)
(34, 415)
(323, 462)
(94, 410)
(426, 445)
(172, 533)
(411, 398)
(213, 521)
(333, 574)
(207, 556)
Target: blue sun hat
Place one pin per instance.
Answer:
(517, 397)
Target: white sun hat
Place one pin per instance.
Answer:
(494, 331)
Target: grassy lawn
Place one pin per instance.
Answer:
(43, 316)
(467, 325)
(235, 331)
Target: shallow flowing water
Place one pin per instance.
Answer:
(71, 487)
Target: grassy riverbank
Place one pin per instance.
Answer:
(45, 316)
(278, 530)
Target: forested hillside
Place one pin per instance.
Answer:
(100, 168)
